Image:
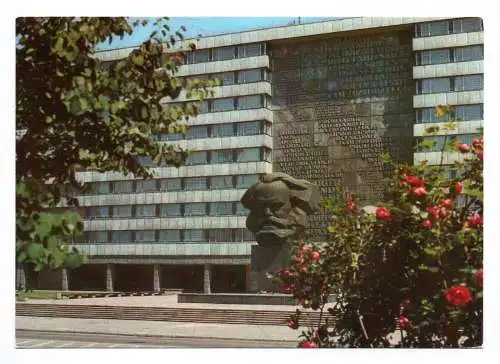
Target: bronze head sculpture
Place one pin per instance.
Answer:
(279, 205)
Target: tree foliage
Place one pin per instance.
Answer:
(75, 112)
(409, 273)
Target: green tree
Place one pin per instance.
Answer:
(74, 112)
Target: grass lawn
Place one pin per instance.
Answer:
(46, 295)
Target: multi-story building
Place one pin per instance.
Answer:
(320, 101)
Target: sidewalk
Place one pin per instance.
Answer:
(158, 329)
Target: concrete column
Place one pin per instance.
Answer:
(109, 277)
(20, 279)
(207, 278)
(248, 278)
(64, 279)
(156, 278)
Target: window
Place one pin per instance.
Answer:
(467, 138)
(122, 211)
(468, 83)
(248, 155)
(223, 53)
(145, 210)
(433, 29)
(246, 180)
(437, 146)
(268, 128)
(145, 235)
(100, 188)
(249, 76)
(96, 236)
(221, 182)
(197, 132)
(145, 185)
(241, 210)
(203, 107)
(171, 184)
(195, 183)
(169, 137)
(170, 210)
(437, 56)
(244, 235)
(202, 55)
(221, 208)
(472, 53)
(222, 130)
(98, 212)
(123, 236)
(266, 154)
(250, 102)
(469, 112)
(195, 209)
(219, 105)
(467, 25)
(123, 187)
(169, 236)
(194, 235)
(226, 78)
(248, 128)
(249, 50)
(222, 156)
(222, 235)
(195, 158)
(433, 85)
(428, 115)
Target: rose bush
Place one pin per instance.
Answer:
(409, 275)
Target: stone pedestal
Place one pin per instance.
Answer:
(109, 278)
(64, 280)
(207, 278)
(156, 278)
(267, 259)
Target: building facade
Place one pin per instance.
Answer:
(319, 101)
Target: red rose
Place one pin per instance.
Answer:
(287, 289)
(305, 249)
(477, 143)
(404, 323)
(415, 181)
(293, 325)
(351, 205)
(316, 256)
(382, 213)
(480, 154)
(303, 269)
(444, 212)
(479, 277)
(448, 203)
(434, 211)
(418, 191)
(426, 223)
(458, 295)
(463, 148)
(475, 220)
(459, 186)
(308, 344)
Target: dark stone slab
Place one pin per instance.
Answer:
(264, 260)
(237, 298)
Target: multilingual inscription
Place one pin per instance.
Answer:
(341, 103)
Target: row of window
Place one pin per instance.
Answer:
(438, 141)
(460, 113)
(225, 53)
(233, 103)
(165, 210)
(219, 131)
(445, 27)
(449, 55)
(235, 77)
(172, 184)
(167, 236)
(242, 155)
(447, 84)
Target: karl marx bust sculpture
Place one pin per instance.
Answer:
(279, 205)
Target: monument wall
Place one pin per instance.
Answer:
(339, 103)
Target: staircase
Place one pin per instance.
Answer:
(199, 315)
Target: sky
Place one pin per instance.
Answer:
(207, 26)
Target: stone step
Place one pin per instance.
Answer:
(229, 316)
